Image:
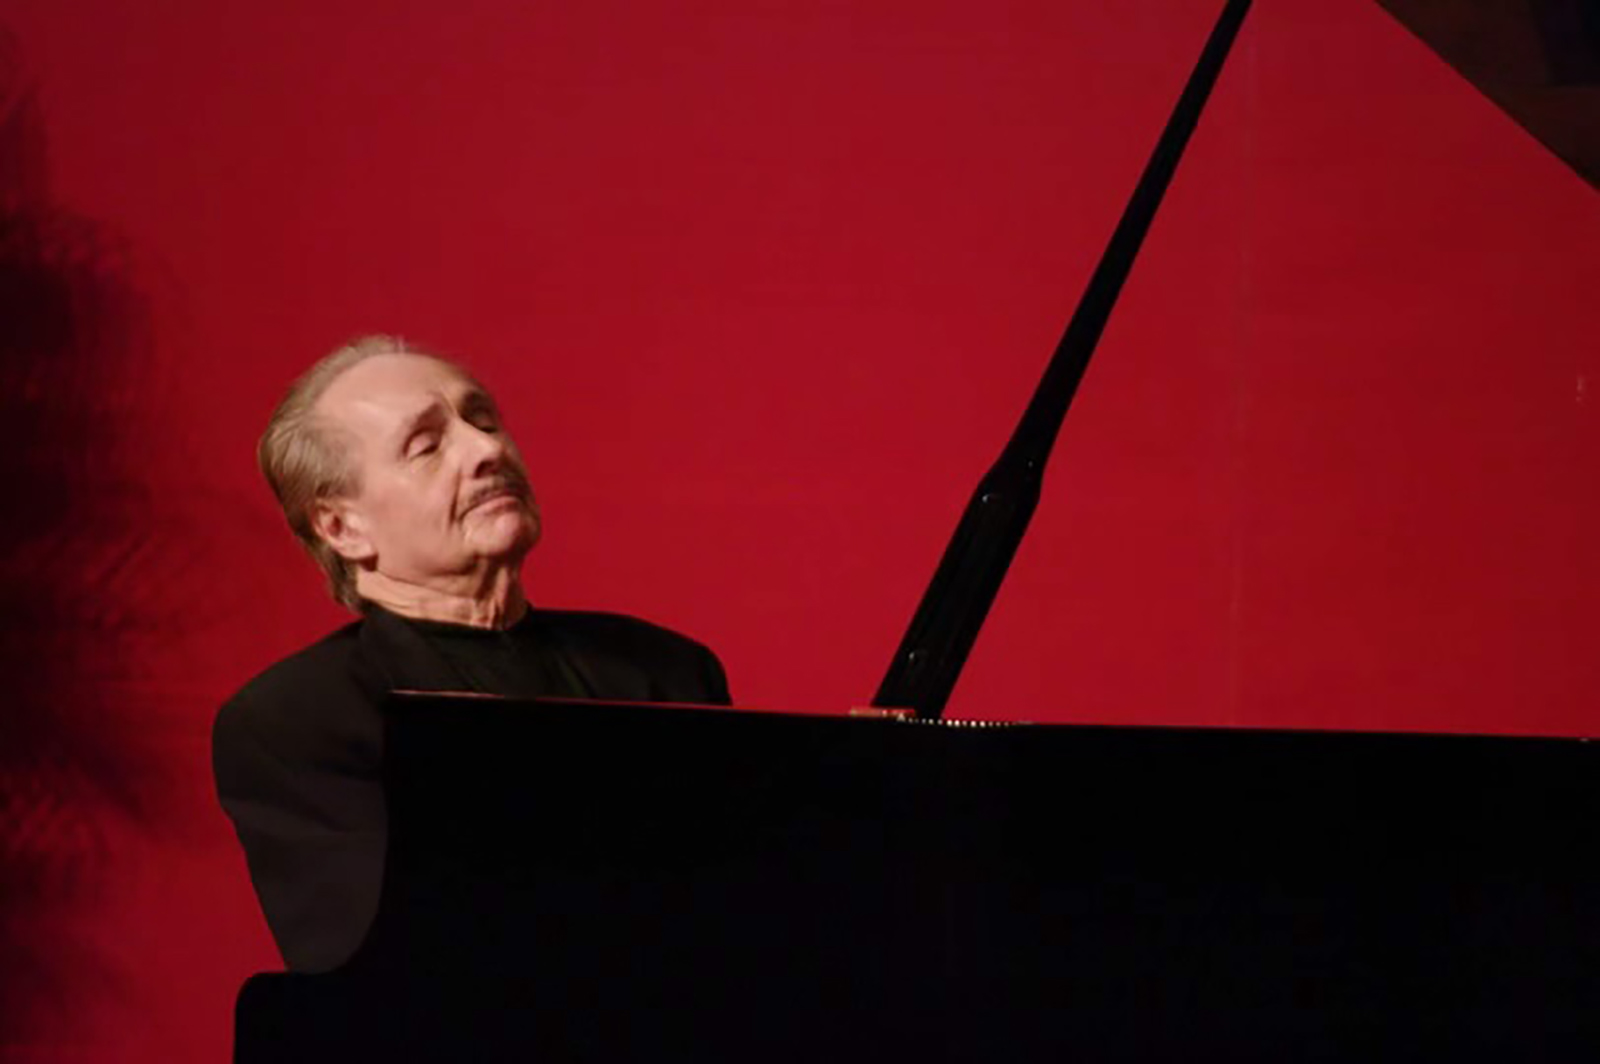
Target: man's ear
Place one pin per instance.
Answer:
(338, 525)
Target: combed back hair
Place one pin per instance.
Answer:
(304, 460)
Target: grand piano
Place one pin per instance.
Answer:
(603, 882)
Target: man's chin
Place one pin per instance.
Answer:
(509, 535)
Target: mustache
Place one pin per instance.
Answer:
(508, 482)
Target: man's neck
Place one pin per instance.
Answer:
(492, 601)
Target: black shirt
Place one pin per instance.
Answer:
(298, 751)
(524, 661)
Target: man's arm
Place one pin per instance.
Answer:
(312, 825)
(715, 679)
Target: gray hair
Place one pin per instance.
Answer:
(304, 461)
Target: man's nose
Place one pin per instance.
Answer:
(487, 450)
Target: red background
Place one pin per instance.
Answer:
(762, 288)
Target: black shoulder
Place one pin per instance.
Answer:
(682, 669)
(296, 689)
(329, 659)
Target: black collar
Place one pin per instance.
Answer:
(400, 659)
(397, 657)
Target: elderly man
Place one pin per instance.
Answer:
(395, 472)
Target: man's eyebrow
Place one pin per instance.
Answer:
(420, 420)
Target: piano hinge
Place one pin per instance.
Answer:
(969, 724)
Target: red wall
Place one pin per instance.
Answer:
(763, 288)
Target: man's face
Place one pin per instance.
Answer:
(443, 491)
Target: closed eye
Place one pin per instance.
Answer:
(481, 415)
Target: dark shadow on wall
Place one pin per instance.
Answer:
(72, 779)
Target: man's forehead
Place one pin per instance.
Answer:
(395, 385)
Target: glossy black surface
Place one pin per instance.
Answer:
(582, 881)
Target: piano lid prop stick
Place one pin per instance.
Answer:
(935, 647)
